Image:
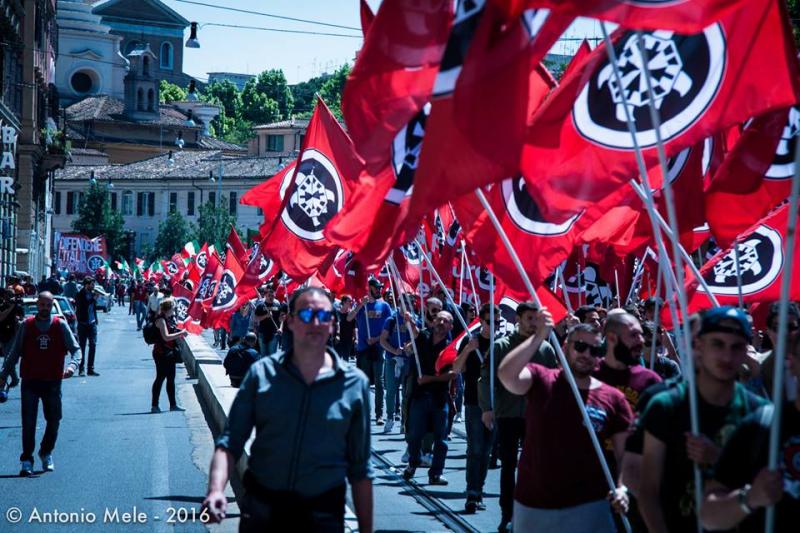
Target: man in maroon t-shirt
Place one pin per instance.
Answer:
(560, 484)
(621, 367)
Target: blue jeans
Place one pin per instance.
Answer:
(479, 444)
(87, 332)
(268, 347)
(370, 361)
(141, 313)
(393, 383)
(49, 392)
(428, 411)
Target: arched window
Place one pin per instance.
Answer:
(151, 104)
(166, 55)
(146, 66)
(140, 99)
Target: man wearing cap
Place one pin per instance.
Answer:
(667, 492)
(370, 315)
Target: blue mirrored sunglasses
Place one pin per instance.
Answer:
(307, 315)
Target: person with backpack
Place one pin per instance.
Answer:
(165, 353)
(41, 342)
(240, 357)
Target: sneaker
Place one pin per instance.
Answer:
(155, 409)
(458, 419)
(397, 418)
(92, 373)
(405, 457)
(388, 427)
(25, 468)
(176, 408)
(481, 505)
(409, 472)
(437, 480)
(81, 372)
(493, 463)
(426, 460)
(379, 421)
(47, 462)
(471, 507)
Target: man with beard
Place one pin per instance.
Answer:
(667, 491)
(369, 325)
(621, 367)
(561, 485)
(508, 411)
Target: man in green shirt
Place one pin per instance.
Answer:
(508, 411)
(667, 491)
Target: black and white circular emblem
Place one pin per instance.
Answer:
(467, 16)
(453, 233)
(201, 259)
(406, 148)
(95, 262)
(760, 264)
(205, 285)
(782, 166)
(526, 215)
(172, 268)
(226, 293)
(686, 72)
(181, 308)
(317, 197)
(411, 253)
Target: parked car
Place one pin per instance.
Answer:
(102, 300)
(30, 307)
(69, 312)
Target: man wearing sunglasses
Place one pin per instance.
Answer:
(310, 410)
(561, 486)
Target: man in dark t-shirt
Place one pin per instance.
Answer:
(742, 486)
(561, 485)
(347, 329)
(268, 316)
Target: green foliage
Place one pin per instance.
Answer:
(304, 94)
(556, 68)
(213, 224)
(169, 92)
(272, 83)
(794, 16)
(95, 217)
(257, 107)
(173, 233)
(226, 94)
(331, 90)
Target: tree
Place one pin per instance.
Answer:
(273, 84)
(169, 92)
(257, 107)
(331, 90)
(173, 233)
(304, 94)
(213, 223)
(95, 218)
(225, 94)
(794, 17)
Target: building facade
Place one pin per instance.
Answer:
(239, 80)
(145, 192)
(282, 138)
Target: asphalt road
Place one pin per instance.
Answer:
(117, 466)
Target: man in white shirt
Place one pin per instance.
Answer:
(153, 302)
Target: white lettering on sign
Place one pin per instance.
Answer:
(8, 152)
(6, 185)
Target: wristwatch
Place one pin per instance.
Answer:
(742, 497)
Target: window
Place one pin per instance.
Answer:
(259, 212)
(232, 203)
(127, 203)
(140, 99)
(139, 204)
(73, 201)
(151, 203)
(173, 202)
(166, 55)
(275, 143)
(212, 197)
(57, 203)
(151, 100)
(190, 203)
(82, 82)
(145, 66)
(113, 201)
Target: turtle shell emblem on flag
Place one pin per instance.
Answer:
(95, 262)
(760, 264)
(201, 260)
(411, 253)
(317, 196)
(226, 293)
(205, 287)
(172, 268)
(686, 72)
(782, 166)
(181, 308)
(526, 214)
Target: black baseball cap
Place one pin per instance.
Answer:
(374, 282)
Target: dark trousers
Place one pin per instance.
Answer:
(510, 434)
(479, 444)
(344, 349)
(49, 392)
(428, 412)
(370, 361)
(267, 510)
(165, 370)
(87, 332)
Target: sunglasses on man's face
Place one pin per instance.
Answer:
(307, 315)
(433, 310)
(581, 347)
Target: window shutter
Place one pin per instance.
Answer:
(70, 203)
(139, 204)
(57, 202)
(232, 202)
(151, 203)
(114, 201)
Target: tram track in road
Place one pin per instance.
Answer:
(439, 510)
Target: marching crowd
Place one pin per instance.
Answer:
(315, 372)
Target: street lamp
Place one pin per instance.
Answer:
(192, 41)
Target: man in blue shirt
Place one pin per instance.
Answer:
(393, 337)
(370, 315)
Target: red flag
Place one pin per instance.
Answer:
(678, 15)
(234, 244)
(508, 299)
(755, 176)
(196, 267)
(226, 301)
(308, 200)
(448, 355)
(579, 147)
(206, 287)
(394, 73)
(342, 274)
(762, 257)
(259, 270)
(580, 56)
(367, 16)
(183, 301)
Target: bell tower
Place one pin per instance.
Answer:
(141, 86)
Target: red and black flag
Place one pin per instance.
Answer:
(226, 301)
(234, 245)
(183, 301)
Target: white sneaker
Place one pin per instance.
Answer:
(426, 460)
(405, 457)
(47, 462)
(388, 427)
(26, 468)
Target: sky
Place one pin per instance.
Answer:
(300, 56)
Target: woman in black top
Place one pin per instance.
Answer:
(165, 354)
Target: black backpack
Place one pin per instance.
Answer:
(237, 362)
(151, 333)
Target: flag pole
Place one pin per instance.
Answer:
(738, 274)
(783, 329)
(461, 278)
(564, 291)
(491, 340)
(656, 319)
(580, 283)
(616, 280)
(393, 272)
(396, 299)
(587, 423)
(638, 274)
(471, 279)
(687, 344)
